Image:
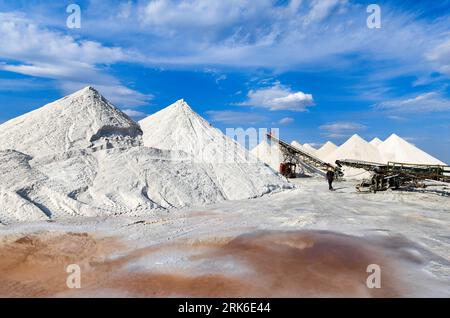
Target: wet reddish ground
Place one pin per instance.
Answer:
(277, 264)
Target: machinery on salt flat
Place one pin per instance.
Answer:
(395, 175)
(294, 157)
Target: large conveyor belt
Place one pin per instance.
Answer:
(294, 154)
(366, 165)
(415, 171)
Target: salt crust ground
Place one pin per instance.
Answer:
(410, 229)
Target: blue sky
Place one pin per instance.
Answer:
(313, 69)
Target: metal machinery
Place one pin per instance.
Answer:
(294, 157)
(395, 175)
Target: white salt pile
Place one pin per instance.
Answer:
(396, 149)
(355, 148)
(178, 127)
(235, 171)
(297, 145)
(269, 154)
(326, 150)
(82, 120)
(393, 149)
(81, 156)
(376, 142)
(310, 149)
(306, 147)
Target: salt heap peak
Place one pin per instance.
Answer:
(355, 148)
(396, 149)
(309, 149)
(84, 119)
(376, 142)
(326, 149)
(296, 144)
(306, 147)
(178, 127)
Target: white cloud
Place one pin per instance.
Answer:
(125, 10)
(170, 16)
(286, 121)
(315, 145)
(296, 35)
(341, 129)
(233, 117)
(320, 9)
(185, 33)
(412, 139)
(396, 118)
(112, 90)
(440, 56)
(423, 103)
(137, 115)
(7, 84)
(279, 97)
(40, 52)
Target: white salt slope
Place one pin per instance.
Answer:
(133, 180)
(310, 149)
(178, 127)
(269, 154)
(81, 120)
(355, 148)
(326, 150)
(237, 172)
(296, 144)
(129, 181)
(24, 185)
(16, 173)
(116, 177)
(306, 147)
(376, 142)
(397, 149)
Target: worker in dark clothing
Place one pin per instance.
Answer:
(330, 178)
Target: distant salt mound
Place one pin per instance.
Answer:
(269, 154)
(306, 147)
(396, 149)
(310, 149)
(237, 172)
(326, 150)
(376, 142)
(84, 119)
(297, 145)
(355, 148)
